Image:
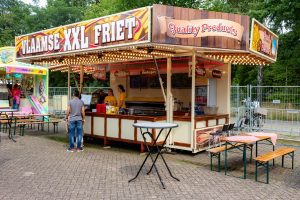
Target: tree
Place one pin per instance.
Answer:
(13, 14)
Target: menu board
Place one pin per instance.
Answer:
(86, 99)
(263, 41)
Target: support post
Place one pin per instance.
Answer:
(69, 92)
(81, 78)
(193, 137)
(169, 92)
(169, 102)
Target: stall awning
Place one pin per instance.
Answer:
(10, 65)
(23, 68)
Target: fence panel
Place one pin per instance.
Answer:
(64, 90)
(281, 102)
(58, 97)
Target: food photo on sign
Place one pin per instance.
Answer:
(121, 73)
(99, 74)
(263, 41)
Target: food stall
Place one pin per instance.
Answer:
(175, 64)
(31, 79)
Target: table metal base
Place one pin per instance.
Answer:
(151, 151)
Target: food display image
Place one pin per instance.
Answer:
(263, 41)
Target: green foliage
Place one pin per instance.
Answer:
(13, 15)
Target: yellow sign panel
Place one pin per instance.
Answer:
(263, 41)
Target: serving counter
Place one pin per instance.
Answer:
(119, 128)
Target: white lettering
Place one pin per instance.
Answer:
(28, 49)
(24, 45)
(50, 42)
(32, 45)
(84, 40)
(97, 33)
(44, 46)
(130, 24)
(38, 45)
(67, 44)
(120, 32)
(113, 32)
(75, 32)
(56, 41)
(105, 33)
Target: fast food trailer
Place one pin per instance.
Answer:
(190, 50)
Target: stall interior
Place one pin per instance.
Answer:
(143, 90)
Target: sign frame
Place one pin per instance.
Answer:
(251, 38)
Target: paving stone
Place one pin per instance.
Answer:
(38, 168)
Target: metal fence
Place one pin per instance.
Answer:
(64, 90)
(281, 102)
(58, 97)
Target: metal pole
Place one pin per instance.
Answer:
(259, 84)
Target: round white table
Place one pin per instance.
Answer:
(154, 148)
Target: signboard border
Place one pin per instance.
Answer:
(90, 49)
(251, 35)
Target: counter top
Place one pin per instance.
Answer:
(158, 118)
(136, 117)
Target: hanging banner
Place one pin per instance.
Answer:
(200, 28)
(129, 27)
(263, 41)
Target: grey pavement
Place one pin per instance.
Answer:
(36, 167)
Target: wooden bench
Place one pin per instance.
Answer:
(39, 122)
(55, 123)
(263, 160)
(9, 122)
(216, 152)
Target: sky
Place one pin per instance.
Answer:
(42, 3)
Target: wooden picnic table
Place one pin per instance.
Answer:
(35, 115)
(246, 140)
(9, 120)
